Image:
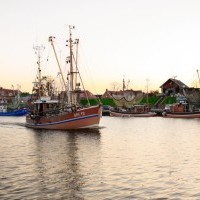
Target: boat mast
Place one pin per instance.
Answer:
(38, 50)
(74, 60)
(71, 73)
(63, 80)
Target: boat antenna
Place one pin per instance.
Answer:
(174, 77)
(51, 38)
(38, 50)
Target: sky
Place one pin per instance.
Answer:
(140, 41)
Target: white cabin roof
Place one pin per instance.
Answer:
(46, 101)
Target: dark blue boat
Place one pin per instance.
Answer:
(20, 112)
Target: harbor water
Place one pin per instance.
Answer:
(127, 158)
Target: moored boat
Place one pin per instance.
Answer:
(182, 114)
(180, 110)
(65, 111)
(136, 111)
(20, 112)
(130, 114)
(4, 111)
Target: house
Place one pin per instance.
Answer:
(173, 86)
(8, 94)
(81, 94)
(87, 94)
(124, 98)
(193, 96)
(129, 95)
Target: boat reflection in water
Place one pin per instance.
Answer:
(58, 163)
(132, 158)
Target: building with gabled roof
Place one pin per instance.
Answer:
(124, 98)
(87, 94)
(173, 86)
(129, 95)
(8, 94)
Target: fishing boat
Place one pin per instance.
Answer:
(18, 112)
(181, 110)
(7, 109)
(136, 111)
(65, 111)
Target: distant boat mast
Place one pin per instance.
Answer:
(147, 92)
(124, 87)
(198, 76)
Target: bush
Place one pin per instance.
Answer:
(104, 101)
(151, 100)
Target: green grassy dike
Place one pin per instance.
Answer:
(110, 102)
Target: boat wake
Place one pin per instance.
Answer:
(12, 125)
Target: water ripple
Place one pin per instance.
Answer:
(130, 158)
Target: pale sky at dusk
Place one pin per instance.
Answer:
(132, 39)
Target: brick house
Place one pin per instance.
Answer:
(88, 93)
(8, 94)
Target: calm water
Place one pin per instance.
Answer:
(128, 158)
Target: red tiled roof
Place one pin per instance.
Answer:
(7, 92)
